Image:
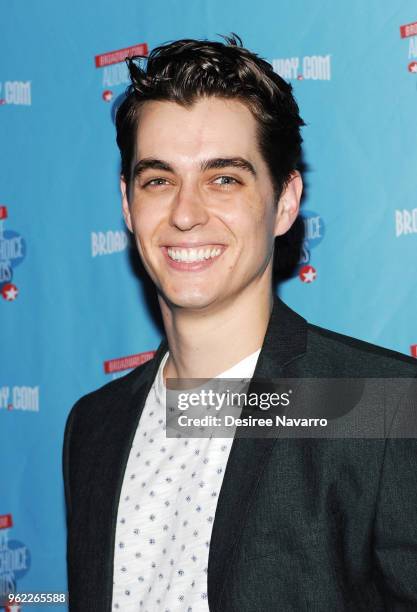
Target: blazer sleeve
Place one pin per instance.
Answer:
(396, 516)
(66, 460)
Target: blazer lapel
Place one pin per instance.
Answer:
(112, 473)
(285, 341)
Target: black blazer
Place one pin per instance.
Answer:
(301, 524)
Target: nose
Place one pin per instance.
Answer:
(188, 209)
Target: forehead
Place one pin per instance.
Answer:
(211, 127)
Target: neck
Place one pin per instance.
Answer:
(205, 342)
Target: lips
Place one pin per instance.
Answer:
(192, 245)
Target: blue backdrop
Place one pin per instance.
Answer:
(73, 307)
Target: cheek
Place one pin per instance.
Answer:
(254, 226)
(145, 222)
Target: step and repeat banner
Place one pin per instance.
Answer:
(76, 308)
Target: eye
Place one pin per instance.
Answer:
(156, 182)
(226, 180)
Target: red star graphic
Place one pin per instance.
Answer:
(307, 274)
(107, 95)
(9, 292)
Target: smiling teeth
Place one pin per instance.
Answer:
(192, 255)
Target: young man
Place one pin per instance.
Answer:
(210, 141)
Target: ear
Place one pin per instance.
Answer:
(289, 204)
(125, 204)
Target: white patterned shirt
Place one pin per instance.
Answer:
(166, 510)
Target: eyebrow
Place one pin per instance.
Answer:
(208, 164)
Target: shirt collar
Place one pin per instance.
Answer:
(243, 369)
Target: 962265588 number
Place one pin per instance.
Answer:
(36, 598)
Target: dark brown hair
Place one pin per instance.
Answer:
(183, 70)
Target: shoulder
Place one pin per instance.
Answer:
(111, 396)
(353, 357)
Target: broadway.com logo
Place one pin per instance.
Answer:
(307, 68)
(16, 92)
(12, 253)
(15, 561)
(107, 243)
(410, 31)
(314, 231)
(121, 364)
(19, 398)
(114, 68)
(405, 222)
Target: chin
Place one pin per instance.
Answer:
(191, 301)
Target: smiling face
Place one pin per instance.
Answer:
(202, 204)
